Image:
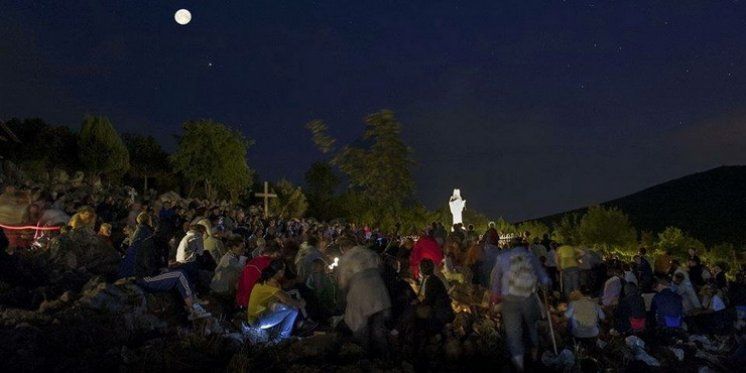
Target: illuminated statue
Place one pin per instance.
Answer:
(457, 205)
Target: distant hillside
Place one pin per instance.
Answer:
(710, 206)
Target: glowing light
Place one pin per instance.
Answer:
(28, 227)
(182, 16)
(335, 264)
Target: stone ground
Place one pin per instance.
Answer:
(73, 319)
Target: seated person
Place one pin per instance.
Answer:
(435, 303)
(140, 263)
(251, 273)
(583, 316)
(714, 319)
(323, 288)
(229, 269)
(174, 279)
(270, 308)
(629, 315)
(667, 307)
(85, 218)
(612, 289)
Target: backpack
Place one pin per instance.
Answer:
(522, 278)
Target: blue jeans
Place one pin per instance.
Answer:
(520, 314)
(570, 280)
(278, 318)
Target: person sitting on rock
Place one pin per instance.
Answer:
(583, 315)
(629, 315)
(252, 272)
(270, 308)
(667, 307)
(229, 269)
(189, 249)
(434, 310)
(140, 263)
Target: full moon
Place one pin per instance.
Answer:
(182, 16)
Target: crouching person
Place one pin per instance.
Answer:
(584, 315)
(368, 302)
(271, 311)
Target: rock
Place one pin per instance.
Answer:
(350, 351)
(316, 346)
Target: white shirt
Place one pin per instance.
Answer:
(189, 247)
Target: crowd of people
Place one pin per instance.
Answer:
(291, 277)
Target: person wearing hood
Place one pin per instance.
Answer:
(683, 287)
(189, 249)
(368, 302)
(211, 243)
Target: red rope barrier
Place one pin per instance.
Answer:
(28, 227)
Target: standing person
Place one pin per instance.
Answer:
(567, 265)
(550, 265)
(490, 251)
(368, 301)
(695, 272)
(515, 277)
(663, 264)
(643, 271)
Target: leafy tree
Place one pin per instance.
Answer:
(41, 144)
(566, 230)
(321, 183)
(535, 229)
(147, 156)
(607, 228)
(378, 168)
(323, 141)
(290, 201)
(504, 227)
(212, 154)
(677, 242)
(101, 150)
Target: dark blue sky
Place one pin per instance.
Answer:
(529, 107)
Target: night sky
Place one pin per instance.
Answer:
(529, 107)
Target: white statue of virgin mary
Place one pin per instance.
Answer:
(457, 205)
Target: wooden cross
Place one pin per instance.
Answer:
(266, 195)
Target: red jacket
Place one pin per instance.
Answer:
(249, 277)
(425, 248)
